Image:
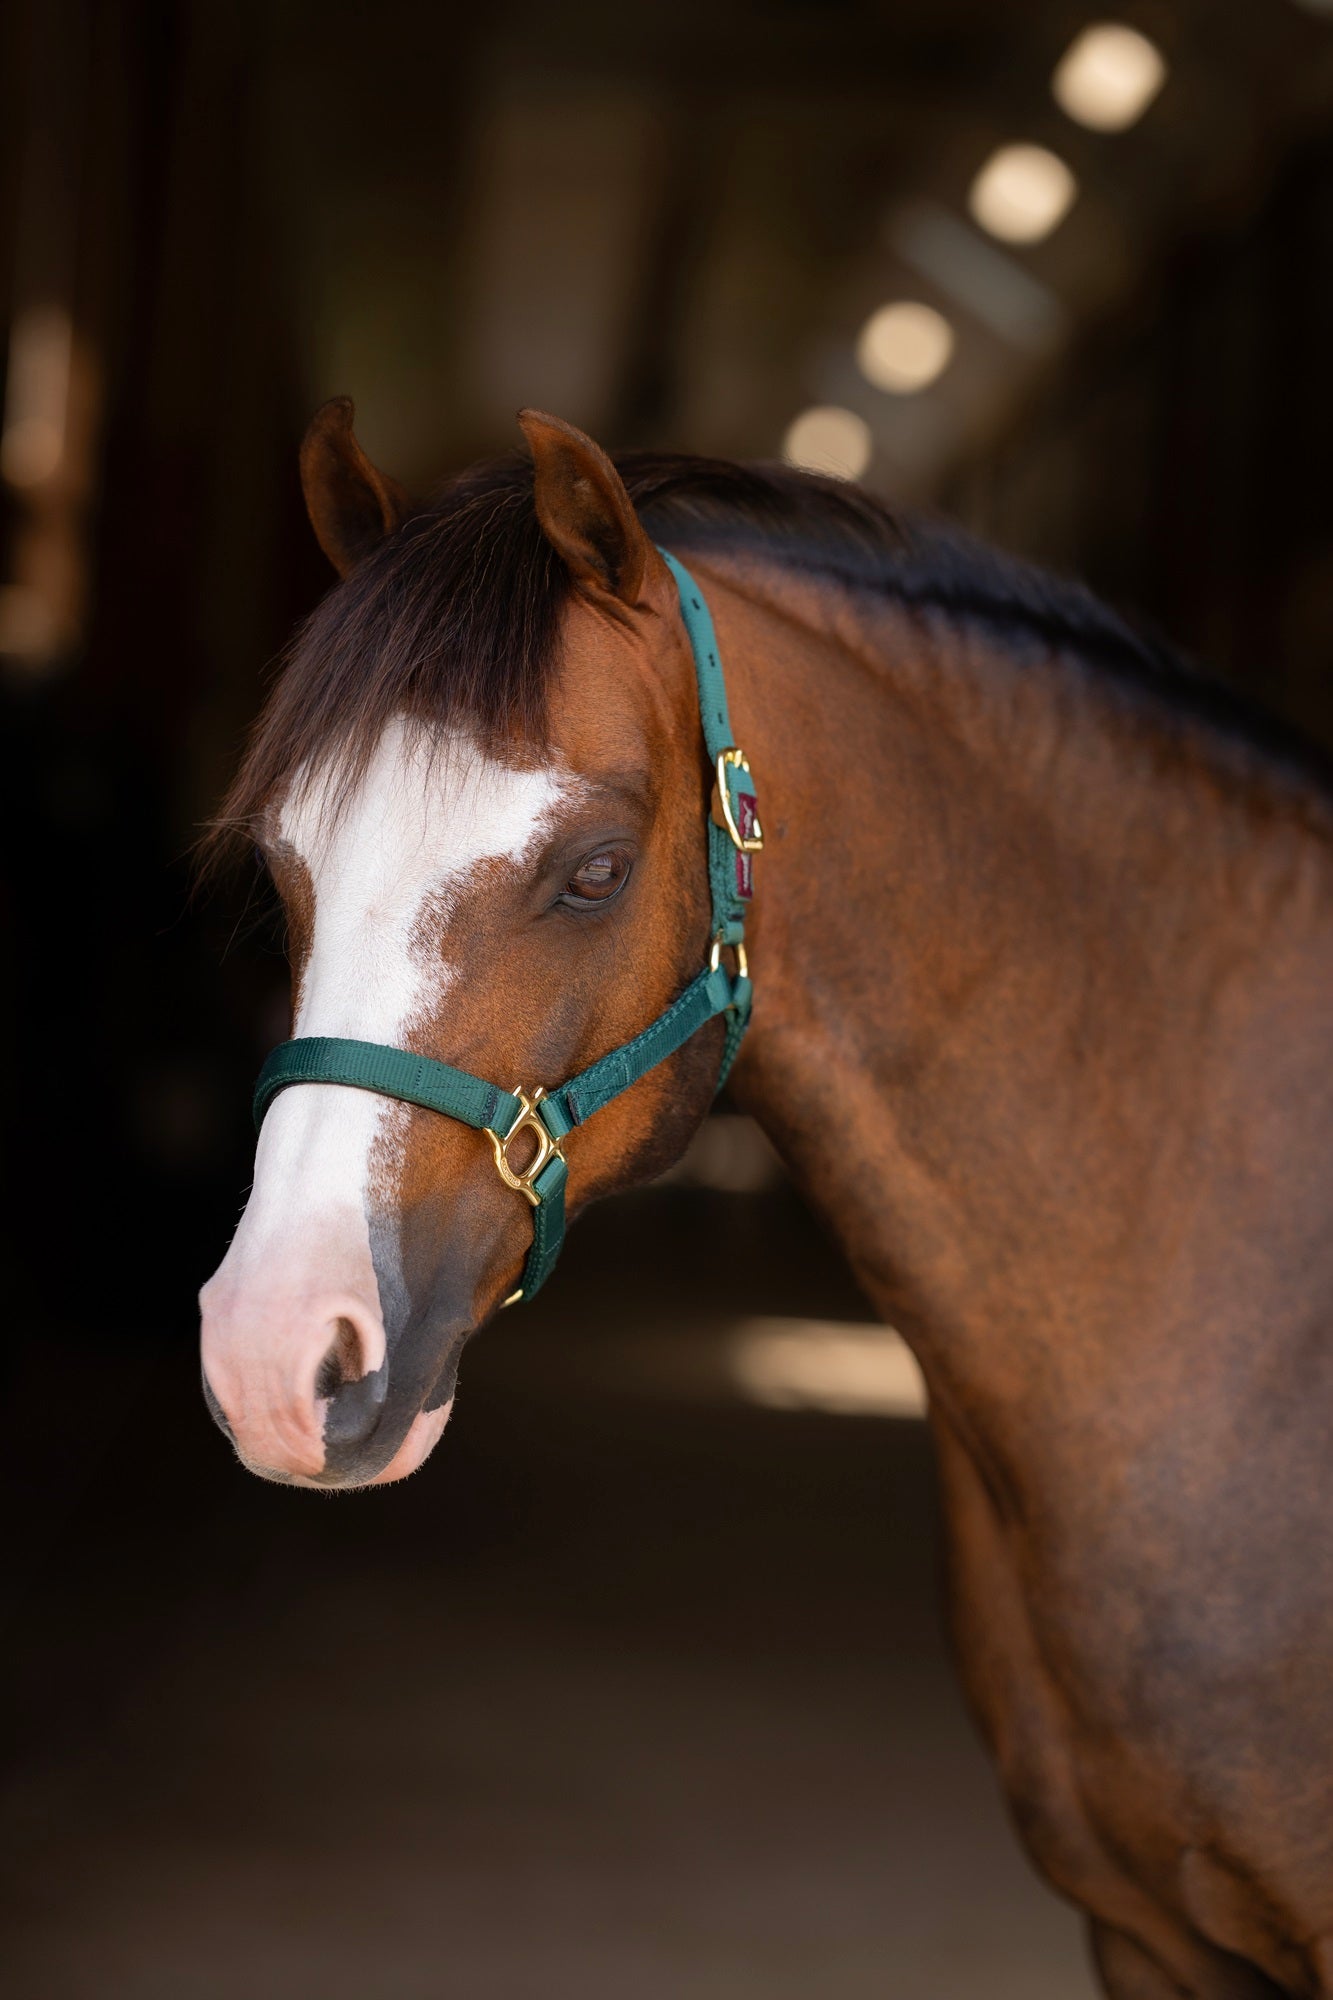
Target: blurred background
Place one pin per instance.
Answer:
(639, 1688)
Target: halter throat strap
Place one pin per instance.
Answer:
(734, 837)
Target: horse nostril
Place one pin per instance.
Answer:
(344, 1362)
(351, 1390)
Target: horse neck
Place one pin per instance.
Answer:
(1014, 947)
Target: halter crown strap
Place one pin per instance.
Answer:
(734, 837)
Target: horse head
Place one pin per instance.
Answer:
(481, 791)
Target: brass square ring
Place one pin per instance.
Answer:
(548, 1148)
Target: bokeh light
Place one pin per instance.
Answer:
(32, 443)
(1022, 193)
(905, 347)
(1108, 76)
(829, 439)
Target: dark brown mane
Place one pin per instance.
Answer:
(455, 617)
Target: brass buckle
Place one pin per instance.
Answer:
(548, 1149)
(751, 843)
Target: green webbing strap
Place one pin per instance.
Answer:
(435, 1086)
(698, 621)
(728, 905)
(456, 1093)
(548, 1226)
(738, 1020)
(710, 994)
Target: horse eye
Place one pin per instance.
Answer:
(598, 878)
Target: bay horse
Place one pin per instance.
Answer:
(1042, 953)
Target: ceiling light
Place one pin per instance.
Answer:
(1108, 76)
(829, 439)
(1022, 193)
(904, 347)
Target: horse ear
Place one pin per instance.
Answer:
(351, 504)
(585, 512)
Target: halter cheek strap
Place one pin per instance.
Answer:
(548, 1117)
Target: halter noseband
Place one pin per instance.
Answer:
(551, 1115)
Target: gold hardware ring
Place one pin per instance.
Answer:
(548, 1149)
(742, 962)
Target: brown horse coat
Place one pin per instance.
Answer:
(1043, 949)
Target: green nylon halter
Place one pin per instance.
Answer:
(551, 1116)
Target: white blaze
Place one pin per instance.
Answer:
(425, 815)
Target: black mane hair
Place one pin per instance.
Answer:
(455, 617)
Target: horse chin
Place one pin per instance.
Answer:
(421, 1440)
(416, 1447)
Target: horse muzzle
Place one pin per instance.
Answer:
(300, 1384)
